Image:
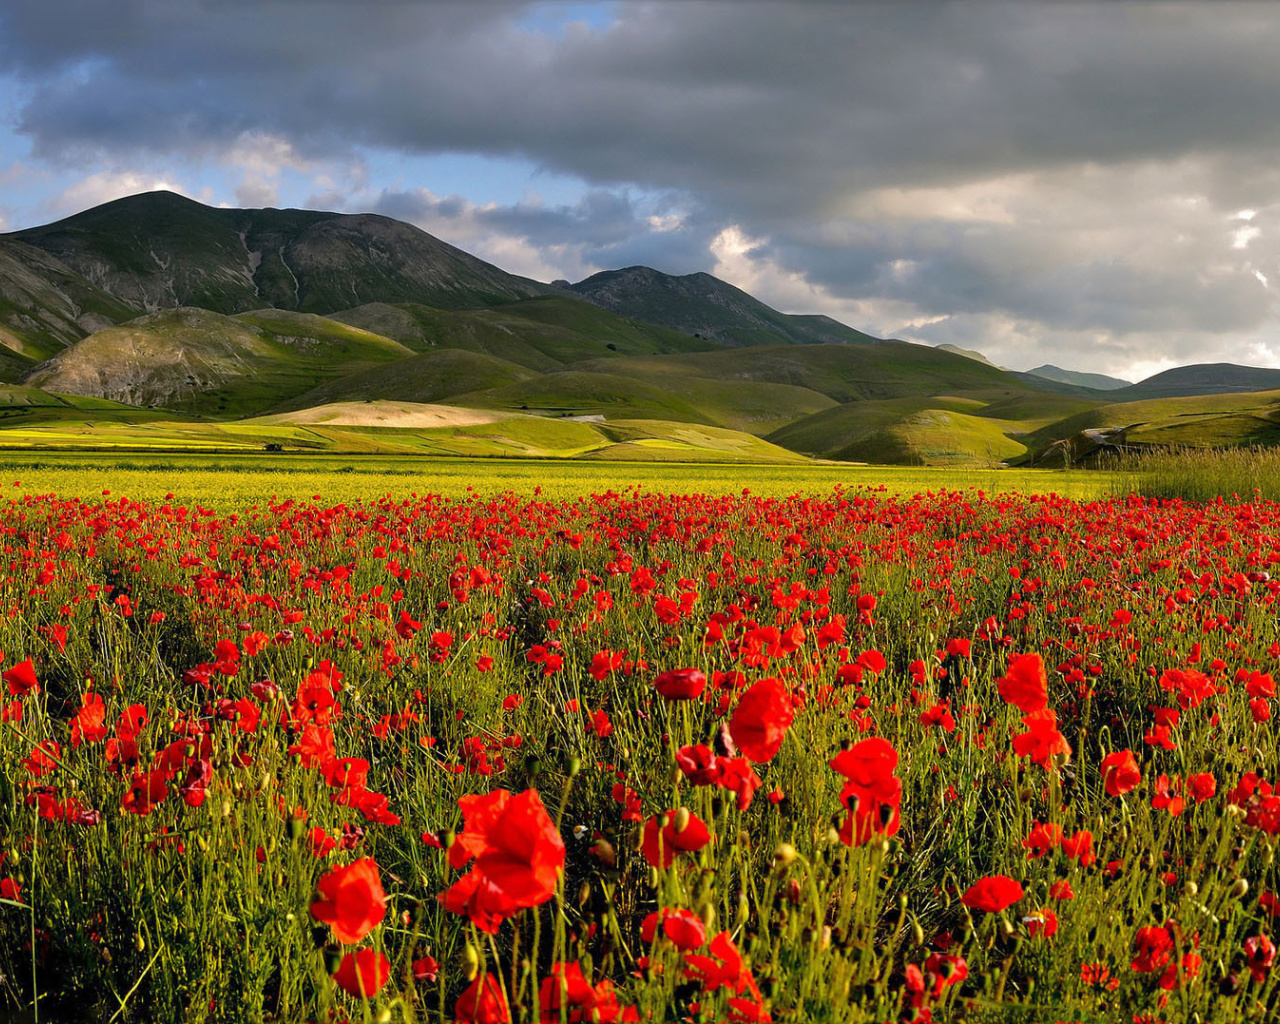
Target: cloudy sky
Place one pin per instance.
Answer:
(1092, 185)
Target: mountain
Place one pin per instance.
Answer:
(1201, 379)
(45, 306)
(707, 307)
(1096, 381)
(207, 364)
(159, 250)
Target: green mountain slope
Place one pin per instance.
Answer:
(541, 334)
(211, 365)
(159, 250)
(46, 306)
(704, 305)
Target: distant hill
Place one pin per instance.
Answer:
(159, 250)
(1201, 379)
(703, 305)
(1096, 381)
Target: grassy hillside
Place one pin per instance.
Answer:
(844, 373)
(929, 431)
(754, 407)
(1205, 420)
(205, 364)
(425, 377)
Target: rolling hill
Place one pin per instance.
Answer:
(203, 363)
(1200, 379)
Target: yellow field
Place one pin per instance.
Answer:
(228, 481)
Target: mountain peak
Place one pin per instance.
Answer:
(707, 307)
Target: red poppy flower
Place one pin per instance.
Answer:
(684, 832)
(761, 719)
(681, 683)
(992, 894)
(518, 857)
(22, 679)
(873, 794)
(1202, 786)
(1025, 685)
(1154, 949)
(683, 927)
(1042, 741)
(352, 900)
(1120, 772)
(482, 1002)
(87, 726)
(363, 973)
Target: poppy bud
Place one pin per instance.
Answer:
(572, 766)
(384, 1015)
(1190, 889)
(681, 820)
(1239, 888)
(584, 893)
(447, 839)
(470, 962)
(604, 852)
(744, 910)
(139, 943)
(784, 854)
(532, 766)
(332, 958)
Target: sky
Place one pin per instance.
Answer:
(1093, 185)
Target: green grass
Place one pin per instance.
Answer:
(1203, 475)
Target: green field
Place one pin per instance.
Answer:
(224, 482)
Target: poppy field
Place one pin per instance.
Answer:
(632, 756)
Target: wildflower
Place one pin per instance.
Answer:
(1120, 772)
(363, 973)
(992, 894)
(1024, 684)
(352, 901)
(761, 719)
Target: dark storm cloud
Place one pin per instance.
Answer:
(786, 120)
